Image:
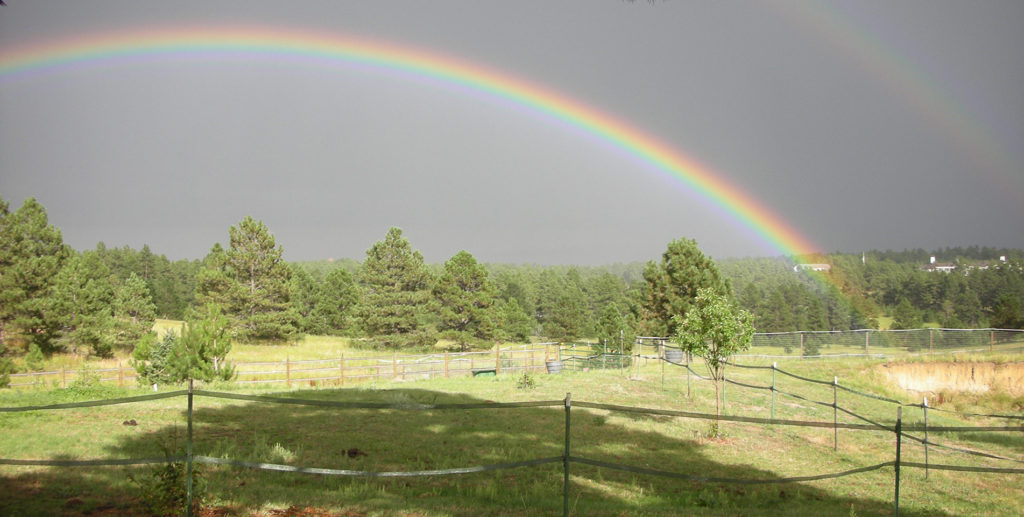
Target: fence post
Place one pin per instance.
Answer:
(773, 390)
(687, 374)
(188, 456)
(867, 339)
(394, 365)
(662, 370)
(287, 372)
(899, 436)
(801, 344)
(924, 407)
(120, 375)
(445, 364)
(63, 377)
(835, 428)
(931, 338)
(991, 339)
(497, 360)
(565, 458)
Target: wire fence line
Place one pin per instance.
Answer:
(567, 458)
(571, 356)
(668, 354)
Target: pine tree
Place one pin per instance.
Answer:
(82, 294)
(31, 254)
(250, 281)
(134, 312)
(614, 329)
(513, 323)
(396, 293)
(465, 295)
(670, 287)
(336, 304)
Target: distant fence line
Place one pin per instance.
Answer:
(343, 370)
(912, 340)
(566, 458)
(571, 356)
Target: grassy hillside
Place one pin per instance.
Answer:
(404, 438)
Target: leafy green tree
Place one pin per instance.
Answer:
(82, 294)
(396, 293)
(31, 254)
(250, 281)
(134, 312)
(335, 308)
(714, 329)
(465, 297)
(670, 286)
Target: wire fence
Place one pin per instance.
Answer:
(355, 368)
(554, 356)
(567, 458)
(879, 343)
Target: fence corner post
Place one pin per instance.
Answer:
(565, 458)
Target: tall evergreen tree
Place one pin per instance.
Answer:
(31, 254)
(250, 281)
(134, 312)
(465, 296)
(336, 304)
(83, 295)
(512, 322)
(396, 293)
(670, 286)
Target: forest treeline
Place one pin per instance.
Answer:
(54, 298)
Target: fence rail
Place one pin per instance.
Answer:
(566, 458)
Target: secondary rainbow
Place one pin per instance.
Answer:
(275, 43)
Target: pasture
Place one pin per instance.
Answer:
(406, 437)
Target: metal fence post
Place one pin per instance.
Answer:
(835, 421)
(188, 456)
(773, 390)
(565, 458)
(899, 437)
(924, 407)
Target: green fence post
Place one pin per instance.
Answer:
(565, 459)
(899, 436)
(773, 390)
(188, 456)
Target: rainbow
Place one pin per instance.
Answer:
(327, 49)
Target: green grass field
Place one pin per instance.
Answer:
(403, 439)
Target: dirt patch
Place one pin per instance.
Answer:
(975, 378)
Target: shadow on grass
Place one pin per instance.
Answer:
(405, 440)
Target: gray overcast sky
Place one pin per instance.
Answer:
(885, 125)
